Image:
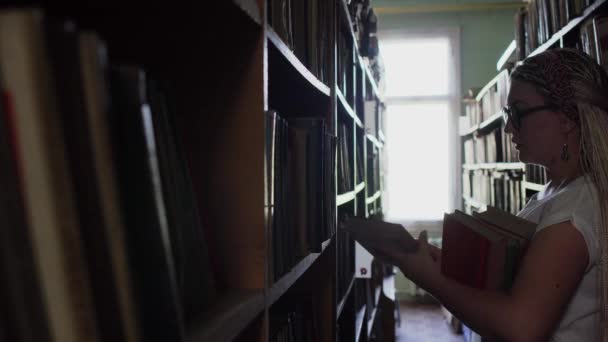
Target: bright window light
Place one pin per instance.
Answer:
(417, 176)
(417, 161)
(416, 67)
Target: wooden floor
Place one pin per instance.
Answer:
(424, 323)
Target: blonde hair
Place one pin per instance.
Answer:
(594, 161)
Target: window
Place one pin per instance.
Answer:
(422, 95)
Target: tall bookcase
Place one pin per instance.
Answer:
(491, 172)
(224, 69)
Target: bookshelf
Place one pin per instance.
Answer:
(237, 117)
(491, 172)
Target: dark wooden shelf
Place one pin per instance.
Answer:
(373, 198)
(282, 285)
(370, 78)
(487, 87)
(347, 108)
(359, 187)
(374, 141)
(533, 186)
(346, 197)
(490, 123)
(572, 24)
(348, 22)
(229, 316)
(469, 131)
(345, 297)
(474, 203)
(495, 166)
(280, 47)
(342, 199)
(507, 55)
(251, 9)
(485, 127)
(359, 318)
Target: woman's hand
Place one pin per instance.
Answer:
(387, 241)
(392, 244)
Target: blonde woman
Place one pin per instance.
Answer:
(557, 114)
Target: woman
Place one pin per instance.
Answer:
(557, 114)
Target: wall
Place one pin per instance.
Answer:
(485, 34)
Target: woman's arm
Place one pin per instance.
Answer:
(548, 276)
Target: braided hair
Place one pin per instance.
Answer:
(577, 85)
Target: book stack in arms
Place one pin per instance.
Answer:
(483, 250)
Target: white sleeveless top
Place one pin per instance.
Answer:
(578, 203)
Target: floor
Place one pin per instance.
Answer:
(424, 323)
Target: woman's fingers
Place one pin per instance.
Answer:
(435, 253)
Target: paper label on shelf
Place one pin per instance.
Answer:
(363, 262)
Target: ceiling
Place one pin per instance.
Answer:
(430, 6)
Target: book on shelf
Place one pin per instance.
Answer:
(43, 178)
(298, 322)
(483, 250)
(304, 26)
(300, 158)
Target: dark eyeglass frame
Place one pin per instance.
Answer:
(515, 115)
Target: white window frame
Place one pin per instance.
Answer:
(452, 98)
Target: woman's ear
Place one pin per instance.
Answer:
(566, 124)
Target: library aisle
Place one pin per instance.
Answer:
(424, 322)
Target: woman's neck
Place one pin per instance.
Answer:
(560, 177)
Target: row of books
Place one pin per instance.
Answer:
(490, 103)
(300, 322)
(346, 65)
(346, 260)
(305, 27)
(373, 115)
(594, 39)
(493, 147)
(536, 174)
(300, 162)
(374, 177)
(365, 27)
(345, 159)
(103, 235)
(500, 189)
(540, 19)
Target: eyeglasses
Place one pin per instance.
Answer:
(515, 115)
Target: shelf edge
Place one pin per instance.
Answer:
(345, 297)
(240, 308)
(345, 198)
(274, 38)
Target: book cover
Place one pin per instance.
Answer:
(484, 250)
(140, 183)
(48, 194)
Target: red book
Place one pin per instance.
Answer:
(471, 253)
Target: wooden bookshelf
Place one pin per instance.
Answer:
(360, 317)
(239, 308)
(474, 203)
(345, 297)
(572, 25)
(344, 106)
(533, 186)
(495, 166)
(345, 198)
(219, 87)
(251, 8)
(373, 198)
